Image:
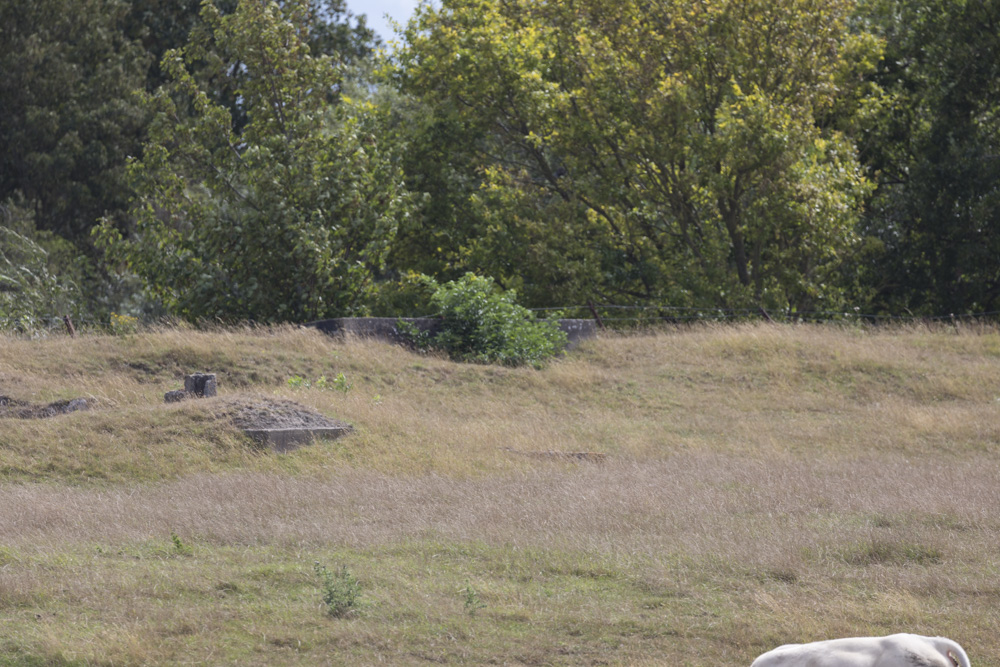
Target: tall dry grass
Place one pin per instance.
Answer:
(753, 389)
(767, 551)
(806, 390)
(747, 512)
(763, 484)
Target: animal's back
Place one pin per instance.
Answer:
(900, 650)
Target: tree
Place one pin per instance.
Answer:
(340, 33)
(677, 146)
(162, 25)
(282, 218)
(69, 119)
(935, 154)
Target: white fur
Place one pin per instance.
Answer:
(902, 650)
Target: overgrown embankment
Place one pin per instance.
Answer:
(759, 485)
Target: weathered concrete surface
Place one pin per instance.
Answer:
(10, 407)
(577, 331)
(384, 328)
(287, 439)
(175, 396)
(196, 385)
(201, 384)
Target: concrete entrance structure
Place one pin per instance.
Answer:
(384, 328)
(286, 439)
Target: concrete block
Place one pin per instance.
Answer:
(577, 331)
(287, 439)
(175, 396)
(200, 384)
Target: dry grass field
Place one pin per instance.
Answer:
(761, 484)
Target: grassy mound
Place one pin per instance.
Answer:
(751, 485)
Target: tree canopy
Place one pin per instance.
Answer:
(272, 161)
(69, 117)
(935, 153)
(680, 146)
(285, 216)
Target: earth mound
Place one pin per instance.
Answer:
(10, 407)
(266, 412)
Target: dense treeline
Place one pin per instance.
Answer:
(268, 161)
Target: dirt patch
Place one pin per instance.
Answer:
(260, 412)
(12, 408)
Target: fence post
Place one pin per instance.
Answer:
(597, 317)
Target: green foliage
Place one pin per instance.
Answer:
(414, 335)
(633, 152)
(340, 589)
(482, 324)
(31, 288)
(471, 600)
(160, 26)
(69, 117)
(123, 325)
(180, 548)
(284, 218)
(669, 153)
(298, 382)
(339, 32)
(339, 383)
(441, 162)
(407, 296)
(934, 154)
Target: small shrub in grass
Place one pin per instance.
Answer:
(123, 325)
(180, 548)
(483, 324)
(341, 589)
(472, 601)
(340, 383)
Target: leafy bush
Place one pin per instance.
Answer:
(472, 601)
(179, 547)
(483, 324)
(341, 589)
(340, 383)
(123, 325)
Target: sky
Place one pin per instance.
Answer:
(375, 10)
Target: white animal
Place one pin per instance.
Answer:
(902, 650)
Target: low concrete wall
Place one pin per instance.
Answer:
(286, 439)
(384, 328)
(577, 331)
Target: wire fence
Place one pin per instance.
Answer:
(609, 315)
(52, 324)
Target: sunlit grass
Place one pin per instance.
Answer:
(761, 485)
